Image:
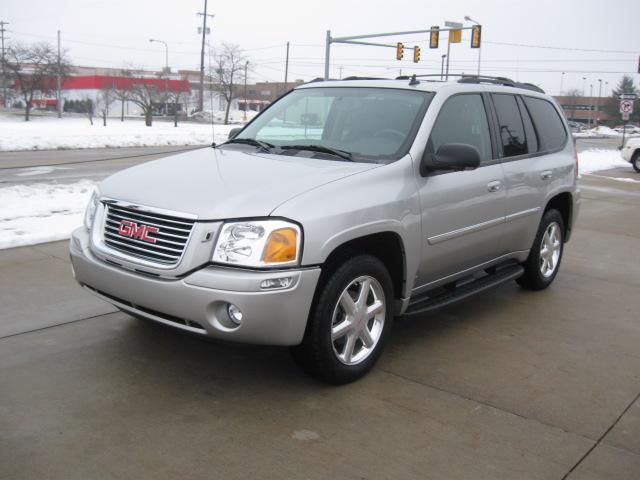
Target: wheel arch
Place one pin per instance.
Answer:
(387, 246)
(563, 202)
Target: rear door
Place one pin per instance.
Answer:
(462, 212)
(532, 137)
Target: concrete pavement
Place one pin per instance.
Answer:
(506, 385)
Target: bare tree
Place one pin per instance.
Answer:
(229, 62)
(33, 67)
(145, 95)
(122, 91)
(174, 98)
(88, 109)
(104, 99)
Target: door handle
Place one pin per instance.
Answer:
(494, 186)
(546, 175)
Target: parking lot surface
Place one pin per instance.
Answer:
(509, 384)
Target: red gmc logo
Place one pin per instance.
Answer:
(133, 230)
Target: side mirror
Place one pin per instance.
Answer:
(450, 156)
(233, 132)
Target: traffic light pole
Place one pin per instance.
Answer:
(356, 40)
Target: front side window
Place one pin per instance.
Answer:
(462, 119)
(512, 133)
(371, 124)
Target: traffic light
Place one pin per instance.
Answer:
(476, 34)
(455, 36)
(416, 54)
(434, 37)
(399, 51)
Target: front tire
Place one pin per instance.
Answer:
(349, 323)
(541, 267)
(635, 161)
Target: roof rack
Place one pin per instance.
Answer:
(466, 78)
(364, 78)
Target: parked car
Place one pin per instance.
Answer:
(405, 196)
(631, 152)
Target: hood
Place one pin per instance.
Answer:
(215, 184)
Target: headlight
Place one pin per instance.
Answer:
(259, 243)
(90, 213)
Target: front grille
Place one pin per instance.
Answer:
(141, 229)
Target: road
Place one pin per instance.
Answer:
(506, 385)
(71, 165)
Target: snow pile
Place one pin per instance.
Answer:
(37, 213)
(595, 160)
(46, 133)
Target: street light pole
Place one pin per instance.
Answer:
(469, 19)
(444, 55)
(246, 65)
(598, 102)
(561, 81)
(590, 104)
(166, 69)
(584, 79)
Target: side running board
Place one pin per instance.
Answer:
(424, 304)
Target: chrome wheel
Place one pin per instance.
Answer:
(358, 320)
(550, 249)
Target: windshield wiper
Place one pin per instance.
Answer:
(320, 149)
(251, 141)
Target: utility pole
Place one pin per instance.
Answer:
(286, 69)
(59, 83)
(204, 33)
(590, 104)
(246, 102)
(4, 78)
(598, 102)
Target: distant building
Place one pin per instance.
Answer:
(583, 109)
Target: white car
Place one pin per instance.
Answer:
(631, 152)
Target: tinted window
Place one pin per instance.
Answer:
(511, 127)
(462, 119)
(532, 139)
(551, 132)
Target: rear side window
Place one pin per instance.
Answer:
(532, 139)
(512, 134)
(551, 132)
(462, 119)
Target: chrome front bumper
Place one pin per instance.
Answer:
(198, 302)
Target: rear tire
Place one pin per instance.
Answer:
(349, 323)
(635, 161)
(541, 267)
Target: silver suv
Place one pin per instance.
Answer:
(341, 206)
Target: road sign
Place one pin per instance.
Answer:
(626, 106)
(628, 96)
(625, 116)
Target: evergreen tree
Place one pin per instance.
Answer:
(625, 85)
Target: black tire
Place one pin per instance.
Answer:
(316, 354)
(635, 161)
(533, 278)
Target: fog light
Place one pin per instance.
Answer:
(271, 283)
(235, 314)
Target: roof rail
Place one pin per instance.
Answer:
(467, 78)
(365, 78)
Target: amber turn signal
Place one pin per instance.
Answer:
(281, 246)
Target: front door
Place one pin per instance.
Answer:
(462, 212)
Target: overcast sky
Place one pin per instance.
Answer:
(597, 39)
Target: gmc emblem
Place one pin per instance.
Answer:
(133, 230)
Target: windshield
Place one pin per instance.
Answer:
(368, 124)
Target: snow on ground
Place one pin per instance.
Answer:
(595, 160)
(50, 133)
(41, 212)
(44, 212)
